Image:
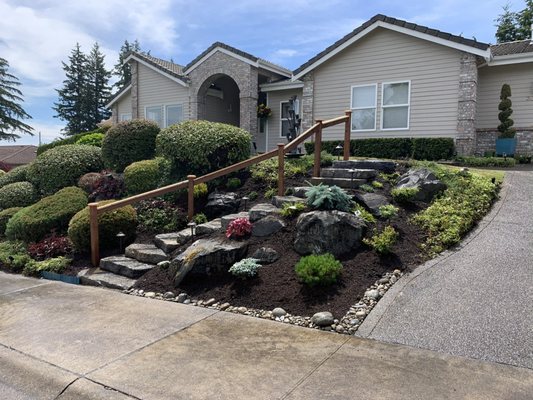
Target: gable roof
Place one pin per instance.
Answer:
(18, 154)
(409, 28)
(167, 66)
(122, 91)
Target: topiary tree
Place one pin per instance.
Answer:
(52, 213)
(505, 128)
(129, 141)
(18, 194)
(63, 166)
(200, 147)
(146, 175)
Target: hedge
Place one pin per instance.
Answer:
(17, 174)
(200, 147)
(53, 213)
(394, 148)
(129, 141)
(68, 140)
(91, 139)
(5, 216)
(63, 166)
(142, 176)
(18, 194)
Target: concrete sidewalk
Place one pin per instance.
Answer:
(60, 341)
(475, 301)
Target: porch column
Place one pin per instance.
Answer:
(134, 89)
(467, 106)
(249, 86)
(307, 101)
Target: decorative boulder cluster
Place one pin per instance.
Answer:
(424, 180)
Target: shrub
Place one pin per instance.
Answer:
(199, 218)
(239, 228)
(388, 211)
(391, 178)
(270, 192)
(486, 161)
(199, 147)
(361, 212)
(17, 174)
(377, 184)
(291, 210)
(384, 241)
(91, 139)
(52, 246)
(506, 123)
(68, 140)
(13, 255)
(200, 190)
(246, 268)
(146, 175)
(366, 188)
(53, 213)
(233, 183)
(110, 223)
(159, 216)
(57, 265)
(5, 216)
(129, 141)
(321, 269)
(324, 197)
(63, 166)
(18, 194)
(253, 195)
(404, 195)
(110, 186)
(88, 181)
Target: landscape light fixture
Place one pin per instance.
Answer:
(121, 236)
(245, 199)
(338, 150)
(192, 225)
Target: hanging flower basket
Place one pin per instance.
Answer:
(263, 111)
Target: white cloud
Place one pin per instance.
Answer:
(50, 130)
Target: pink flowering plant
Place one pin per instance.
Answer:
(239, 228)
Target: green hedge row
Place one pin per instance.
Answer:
(394, 148)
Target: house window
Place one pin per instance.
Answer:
(284, 118)
(174, 114)
(363, 107)
(395, 101)
(125, 117)
(155, 113)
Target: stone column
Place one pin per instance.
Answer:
(467, 105)
(307, 101)
(248, 86)
(134, 89)
(114, 114)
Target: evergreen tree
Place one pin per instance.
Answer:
(512, 25)
(506, 123)
(11, 112)
(98, 89)
(121, 70)
(72, 105)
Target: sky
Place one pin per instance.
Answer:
(37, 35)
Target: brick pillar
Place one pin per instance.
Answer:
(134, 89)
(467, 105)
(307, 101)
(248, 101)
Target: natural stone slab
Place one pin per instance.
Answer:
(340, 182)
(228, 219)
(98, 277)
(146, 253)
(221, 204)
(209, 227)
(300, 191)
(125, 266)
(206, 255)
(425, 180)
(262, 210)
(278, 201)
(168, 242)
(380, 165)
(267, 226)
(371, 201)
(265, 255)
(348, 173)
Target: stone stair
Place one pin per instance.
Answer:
(352, 173)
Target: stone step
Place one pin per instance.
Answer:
(209, 227)
(98, 277)
(348, 173)
(168, 242)
(146, 253)
(125, 266)
(278, 201)
(380, 165)
(263, 210)
(340, 182)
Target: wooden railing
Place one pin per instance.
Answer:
(95, 210)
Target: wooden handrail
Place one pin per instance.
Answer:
(300, 139)
(334, 121)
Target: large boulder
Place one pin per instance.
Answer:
(265, 255)
(422, 178)
(334, 232)
(207, 255)
(371, 201)
(278, 201)
(267, 226)
(221, 204)
(262, 210)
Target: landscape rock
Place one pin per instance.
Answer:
(371, 201)
(334, 232)
(278, 201)
(168, 242)
(125, 266)
(206, 255)
(146, 253)
(227, 219)
(262, 210)
(372, 294)
(265, 255)
(169, 295)
(267, 226)
(348, 173)
(324, 318)
(425, 180)
(209, 227)
(221, 204)
(279, 312)
(300, 191)
(182, 297)
(380, 165)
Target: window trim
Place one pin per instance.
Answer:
(281, 119)
(408, 105)
(365, 108)
(164, 112)
(121, 117)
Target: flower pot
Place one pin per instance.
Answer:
(505, 147)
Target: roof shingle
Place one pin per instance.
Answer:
(510, 48)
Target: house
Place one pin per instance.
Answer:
(398, 78)
(14, 156)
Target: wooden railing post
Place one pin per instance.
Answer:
(347, 131)
(190, 197)
(281, 169)
(95, 242)
(318, 148)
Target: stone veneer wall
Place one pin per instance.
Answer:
(467, 103)
(307, 101)
(134, 66)
(486, 141)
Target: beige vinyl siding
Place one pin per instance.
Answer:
(124, 105)
(156, 89)
(274, 125)
(386, 56)
(490, 81)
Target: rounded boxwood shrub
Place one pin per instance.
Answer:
(18, 194)
(109, 223)
(92, 139)
(146, 175)
(5, 215)
(200, 147)
(321, 269)
(53, 213)
(63, 166)
(17, 174)
(129, 141)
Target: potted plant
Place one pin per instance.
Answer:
(506, 142)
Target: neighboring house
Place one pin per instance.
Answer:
(398, 78)
(15, 156)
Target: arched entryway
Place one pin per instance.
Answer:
(219, 100)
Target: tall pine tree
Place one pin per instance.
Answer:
(98, 89)
(513, 25)
(121, 70)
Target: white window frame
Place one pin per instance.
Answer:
(164, 112)
(281, 119)
(408, 105)
(125, 117)
(166, 106)
(365, 108)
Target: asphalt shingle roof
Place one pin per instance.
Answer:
(510, 48)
